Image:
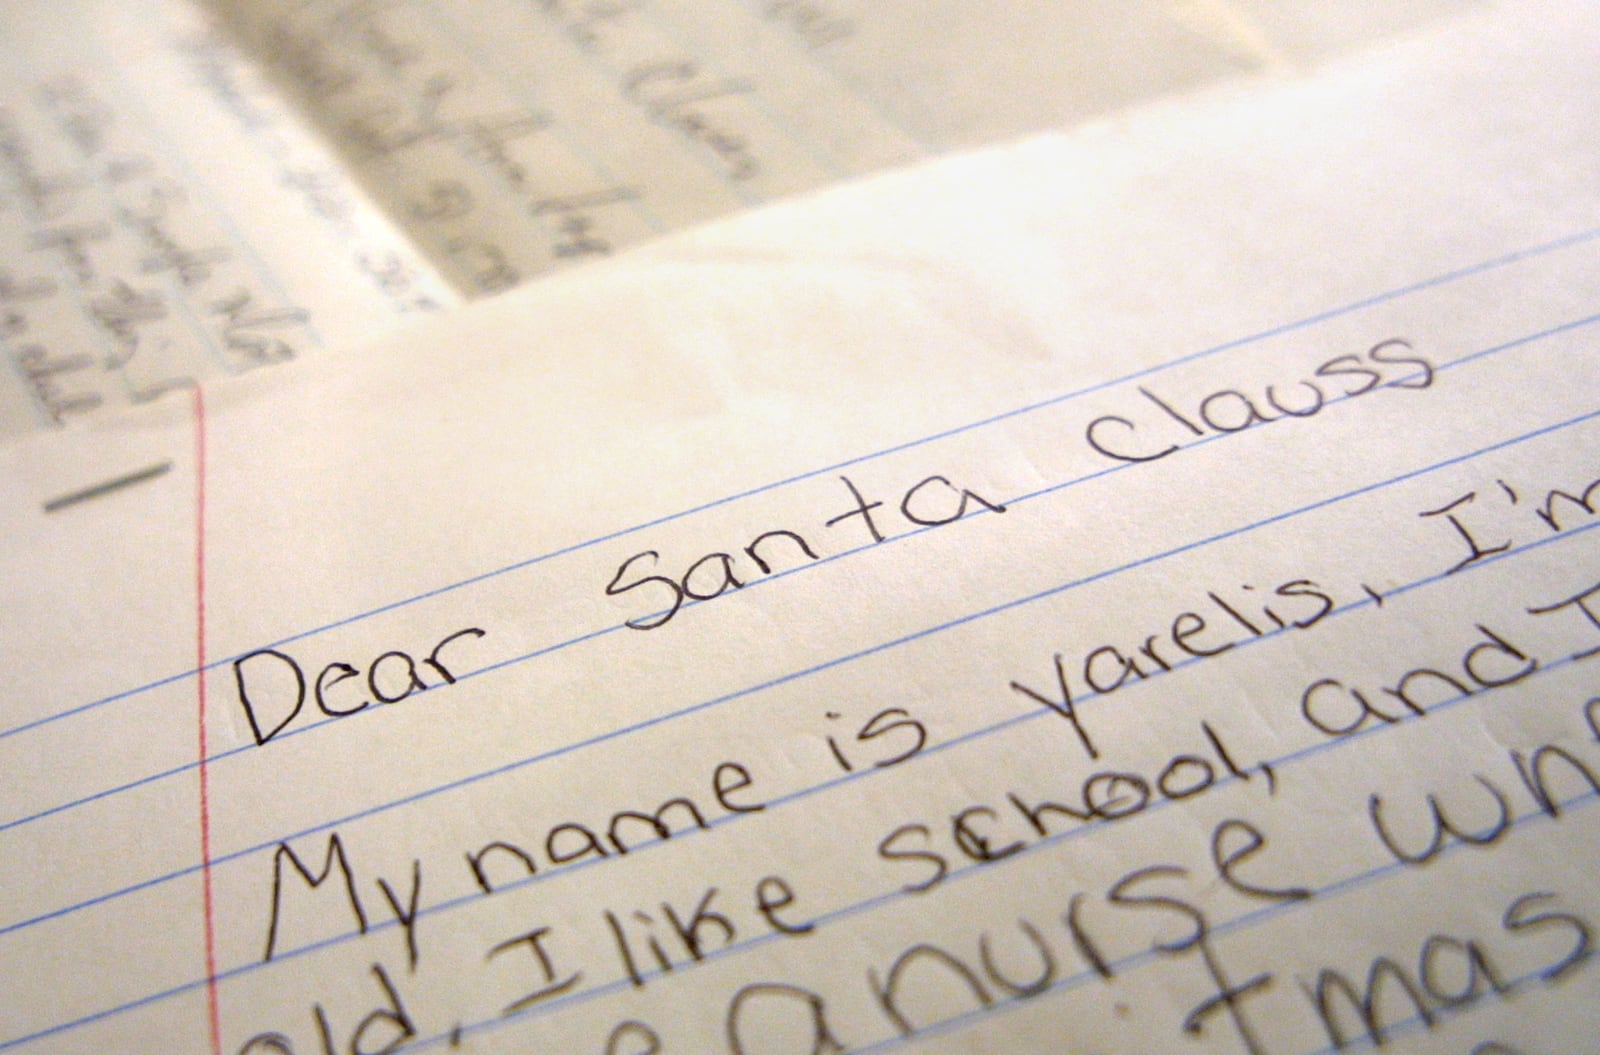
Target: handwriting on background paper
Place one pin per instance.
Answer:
(121, 286)
(169, 219)
(478, 175)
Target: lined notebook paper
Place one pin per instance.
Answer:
(1132, 590)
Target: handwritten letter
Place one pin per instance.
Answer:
(1125, 591)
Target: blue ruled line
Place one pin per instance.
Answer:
(1444, 278)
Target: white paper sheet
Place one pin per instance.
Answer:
(1002, 401)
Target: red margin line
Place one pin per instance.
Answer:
(200, 682)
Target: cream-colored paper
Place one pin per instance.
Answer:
(511, 136)
(193, 188)
(166, 218)
(946, 446)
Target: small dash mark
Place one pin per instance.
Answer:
(99, 489)
(455, 1036)
(1377, 598)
